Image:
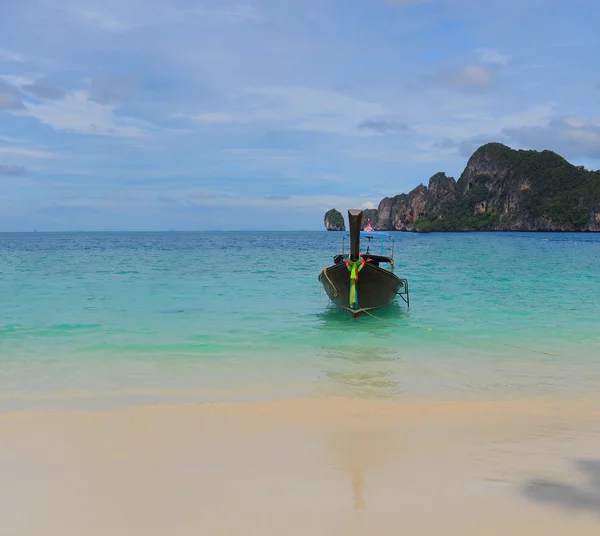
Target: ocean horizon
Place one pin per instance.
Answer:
(261, 230)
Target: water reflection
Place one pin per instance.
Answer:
(364, 365)
(351, 453)
(394, 315)
(358, 482)
(370, 373)
(360, 442)
(354, 374)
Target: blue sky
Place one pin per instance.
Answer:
(206, 114)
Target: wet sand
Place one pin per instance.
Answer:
(304, 467)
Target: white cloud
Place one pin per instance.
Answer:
(9, 96)
(236, 13)
(316, 203)
(262, 154)
(9, 55)
(102, 20)
(109, 15)
(534, 115)
(569, 136)
(106, 201)
(118, 16)
(536, 127)
(469, 79)
(379, 155)
(332, 177)
(384, 126)
(33, 153)
(467, 125)
(490, 55)
(473, 75)
(12, 171)
(42, 90)
(406, 2)
(77, 113)
(15, 80)
(217, 117)
(574, 122)
(297, 107)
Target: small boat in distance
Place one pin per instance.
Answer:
(357, 282)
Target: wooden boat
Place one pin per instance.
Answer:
(357, 282)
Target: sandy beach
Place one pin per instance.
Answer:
(300, 467)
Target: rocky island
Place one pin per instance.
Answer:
(501, 189)
(334, 221)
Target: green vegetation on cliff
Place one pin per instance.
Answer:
(334, 221)
(504, 189)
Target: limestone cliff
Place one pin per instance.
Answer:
(401, 212)
(500, 190)
(506, 190)
(334, 221)
(370, 214)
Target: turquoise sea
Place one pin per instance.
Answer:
(99, 320)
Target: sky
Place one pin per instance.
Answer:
(234, 115)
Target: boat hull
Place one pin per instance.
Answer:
(376, 287)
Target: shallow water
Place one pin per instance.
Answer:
(102, 319)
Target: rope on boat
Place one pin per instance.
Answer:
(382, 320)
(335, 291)
(519, 347)
(395, 325)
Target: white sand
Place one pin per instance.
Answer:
(315, 467)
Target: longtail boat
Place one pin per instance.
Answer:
(357, 282)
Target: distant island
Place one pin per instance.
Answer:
(501, 189)
(334, 221)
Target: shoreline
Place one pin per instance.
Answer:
(328, 405)
(403, 378)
